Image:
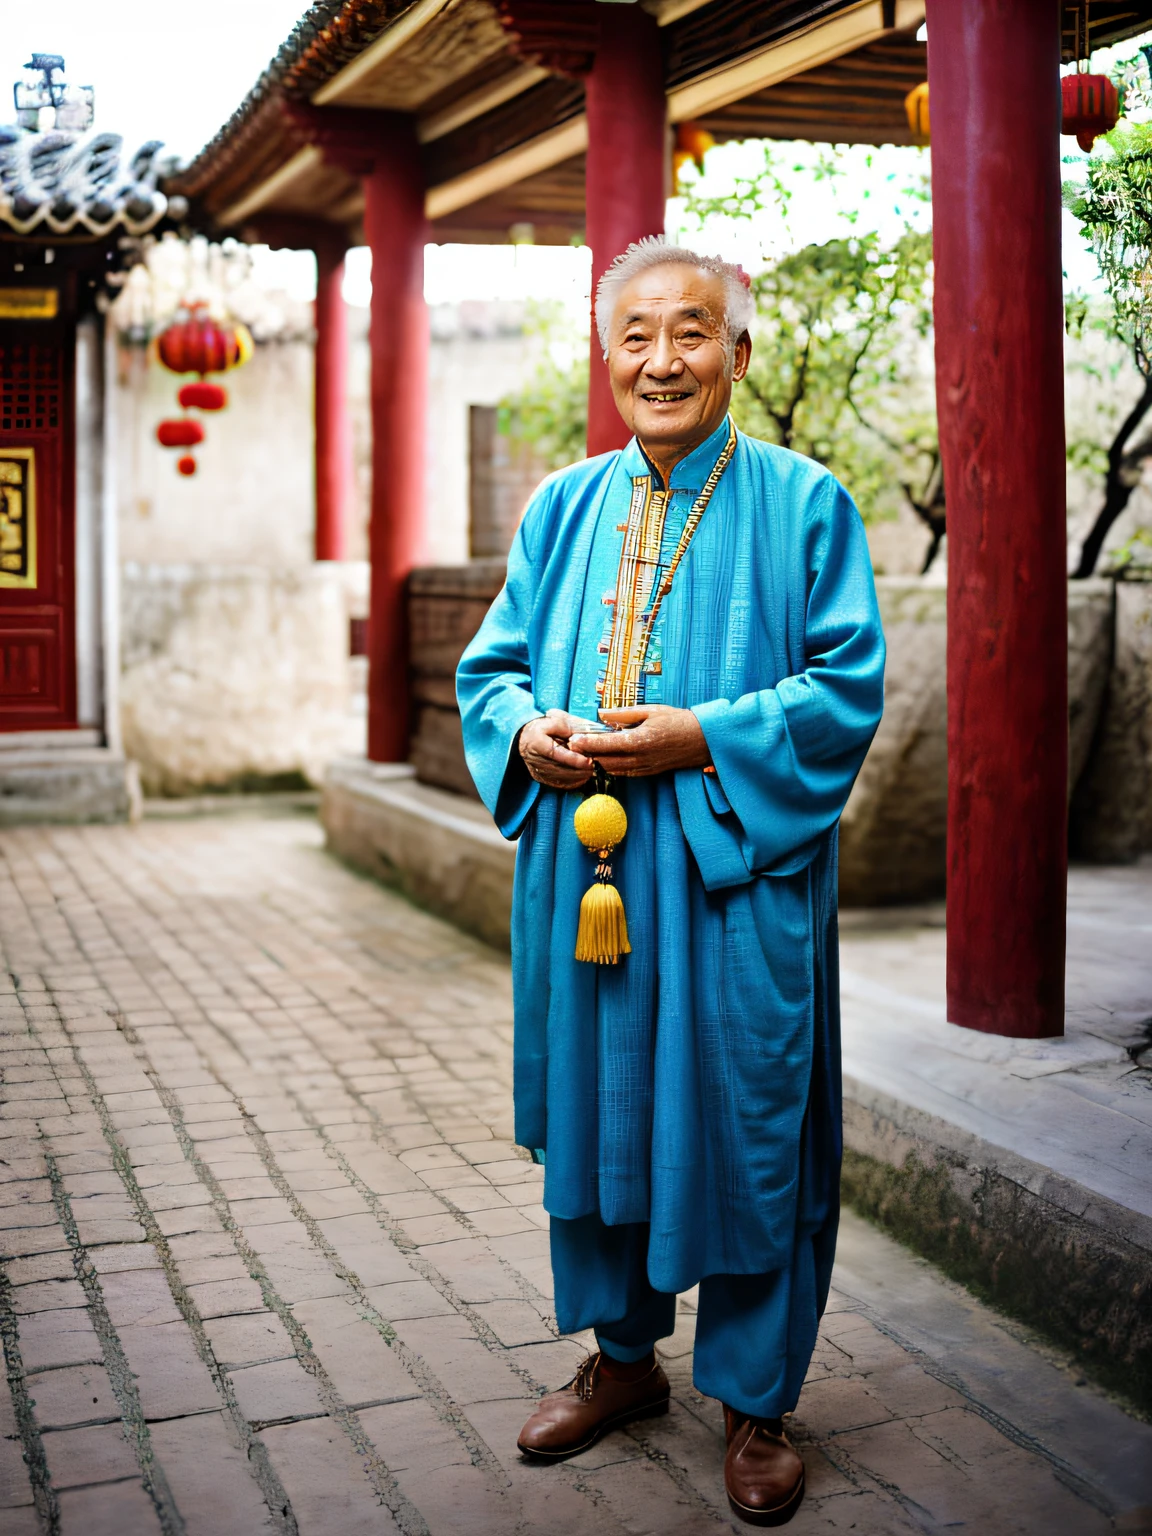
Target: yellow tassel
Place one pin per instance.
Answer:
(602, 936)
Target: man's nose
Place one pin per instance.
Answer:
(664, 360)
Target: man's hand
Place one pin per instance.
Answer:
(660, 739)
(544, 748)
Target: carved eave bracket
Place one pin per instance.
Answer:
(557, 35)
(350, 138)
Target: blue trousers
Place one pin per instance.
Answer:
(754, 1333)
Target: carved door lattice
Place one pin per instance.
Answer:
(29, 387)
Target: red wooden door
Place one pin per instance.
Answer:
(37, 527)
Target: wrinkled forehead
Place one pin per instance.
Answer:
(671, 292)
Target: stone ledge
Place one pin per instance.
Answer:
(67, 785)
(439, 849)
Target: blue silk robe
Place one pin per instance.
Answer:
(696, 1084)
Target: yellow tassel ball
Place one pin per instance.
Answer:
(602, 935)
(600, 822)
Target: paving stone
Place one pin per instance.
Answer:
(139, 1296)
(48, 1295)
(49, 1339)
(118, 1257)
(79, 1394)
(360, 1365)
(210, 1477)
(408, 1298)
(27, 1241)
(248, 1340)
(15, 1487)
(432, 1466)
(277, 1390)
(57, 1265)
(470, 1372)
(325, 1481)
(98, 1454)
(515, 1322)
(170, 1376)
(221, 1298)
(109, 1509)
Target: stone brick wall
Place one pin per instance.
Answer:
(446, 605)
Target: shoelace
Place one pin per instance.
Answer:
(584, 1380)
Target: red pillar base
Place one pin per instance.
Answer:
(627, 173)
(993, 70)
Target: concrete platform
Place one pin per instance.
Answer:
(439, 848)
(64, 777)
(1020, 1167)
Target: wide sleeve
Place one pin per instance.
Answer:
(494, 692)
(786, 757)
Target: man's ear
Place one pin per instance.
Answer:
(743, 358)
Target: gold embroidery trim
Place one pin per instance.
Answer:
(637, 606)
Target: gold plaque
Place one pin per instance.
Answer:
(29, 303)
(17, 517)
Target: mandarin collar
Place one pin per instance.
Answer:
(691, 472)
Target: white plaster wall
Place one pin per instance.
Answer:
(251, 500)
(233, 676)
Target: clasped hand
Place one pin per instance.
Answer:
(660, 739)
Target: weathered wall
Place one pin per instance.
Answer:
(1112, 806)
(236, 677)
(894, 829)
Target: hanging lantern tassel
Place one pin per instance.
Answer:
(602, 936)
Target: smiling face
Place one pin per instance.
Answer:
(668, 358)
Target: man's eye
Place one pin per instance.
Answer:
(634, 336)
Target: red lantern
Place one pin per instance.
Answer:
(1091, 107)
(182, 433)
(203, 396)
(186, 465)
(198, 344)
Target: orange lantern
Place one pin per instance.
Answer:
(1091, 107)
(916, 106)
(692, 144)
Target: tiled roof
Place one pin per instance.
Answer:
(326, 38)
(78, 184)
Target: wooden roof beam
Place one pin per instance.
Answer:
(840, 34)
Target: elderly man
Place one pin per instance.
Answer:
(709, 599)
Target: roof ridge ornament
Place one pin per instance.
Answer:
(44, 102)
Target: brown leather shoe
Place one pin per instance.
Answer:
(569, 1421)
(764, 1476)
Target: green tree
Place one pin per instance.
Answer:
(1114, 208)
(839, 369)
(550, 414)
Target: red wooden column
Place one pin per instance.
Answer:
(333, 425)
(396, 231)
(627, 172)
(993, 71)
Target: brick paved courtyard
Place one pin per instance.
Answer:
(273, 1264)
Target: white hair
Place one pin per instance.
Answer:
(655, 251)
